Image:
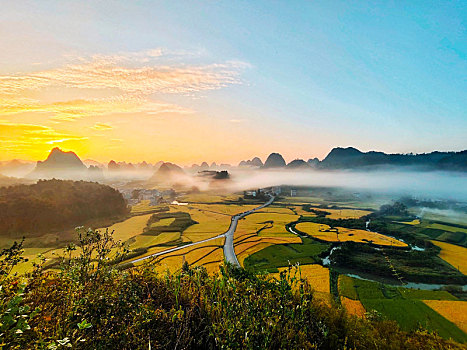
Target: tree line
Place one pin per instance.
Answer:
(51, 205)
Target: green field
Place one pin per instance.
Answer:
(281, 255)
(411, 314)
(403, 305)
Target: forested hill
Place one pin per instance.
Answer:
(351, 157)
(52, 205)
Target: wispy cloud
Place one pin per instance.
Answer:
(130, 78)
(126, 73)
(75, 109)
(102, 127)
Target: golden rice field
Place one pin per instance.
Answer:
(123, 231)
(413, 222)
(226, 209)
(142, 241)
(353, 307)
(30, 254)
(129, 228)
(454, 255)
(320, 231)
(163, 222)
(207, 253)
(144, 207)
(210, 224)
(346, 213)
(253, 244)
(336, 213)
(208, 198)
(316, 275)
(277, 210)
(453, 310)
(272, 225)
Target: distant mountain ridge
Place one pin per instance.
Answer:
(350, 157)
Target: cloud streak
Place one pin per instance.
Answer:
(75, 109)
(115, 72)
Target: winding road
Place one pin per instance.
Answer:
(229, 251)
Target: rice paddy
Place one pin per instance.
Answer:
(454, 255)
(209, 253)
(147, 241)
(208, 198)
(353, 307)
(454, 311)
(339, 234)
(261, 230)
(129, 228)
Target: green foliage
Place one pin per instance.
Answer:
(55, 205)
(14, 315)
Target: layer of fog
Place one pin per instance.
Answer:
(433, 184)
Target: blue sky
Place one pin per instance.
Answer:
(382, 75)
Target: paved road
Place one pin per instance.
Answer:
(229, 251)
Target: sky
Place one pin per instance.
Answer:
(192, 81)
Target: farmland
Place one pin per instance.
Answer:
(454, 255)
(280, 255)
(316, 276)
(455, 311)
(263, 244)
(339, 234)
(406, 306)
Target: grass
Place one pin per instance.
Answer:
(346, 287)
(409, 293)
(411, 314)
(368, 289)
(454, 255)
(447, 228)
(325, 233)
(454, 311)
(281, 255)
(354, 288)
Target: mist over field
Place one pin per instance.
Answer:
(436, 184)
